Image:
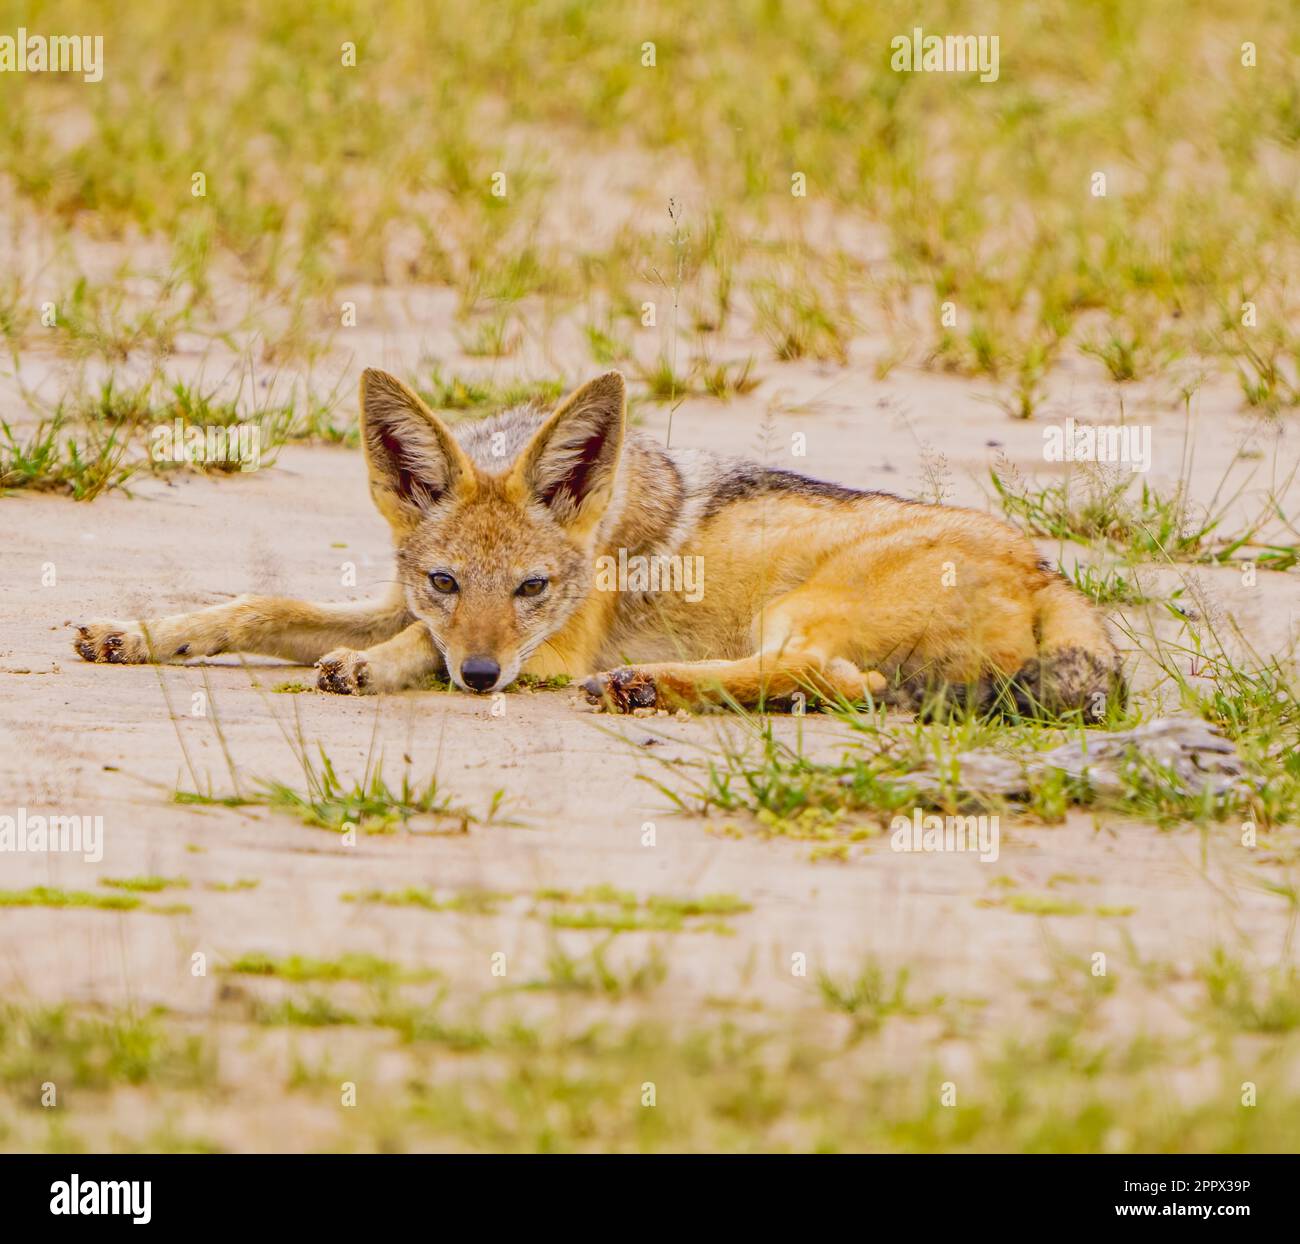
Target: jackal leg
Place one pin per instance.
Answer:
(406, 660)
(272, 626)
(802, 645)
(759, 679)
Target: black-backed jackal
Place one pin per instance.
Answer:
(514, 538)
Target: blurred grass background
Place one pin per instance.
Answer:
(922, 188)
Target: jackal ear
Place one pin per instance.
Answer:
(571, 462)
(414, 460)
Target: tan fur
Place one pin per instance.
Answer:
(807, 586)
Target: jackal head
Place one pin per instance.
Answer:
(493, 561)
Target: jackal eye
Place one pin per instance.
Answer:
(531, 587)
(443, 582)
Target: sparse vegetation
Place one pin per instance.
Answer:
(145, 885)
(369, 805)
(468, 902)
(52, 896)
(301, 968)
(1029, 276)
(721, 1080)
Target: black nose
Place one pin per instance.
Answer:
(479, 672)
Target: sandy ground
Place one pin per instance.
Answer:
(100, 740)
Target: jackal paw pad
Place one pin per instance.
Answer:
(343, 672)
(622, 690)
(110, 642)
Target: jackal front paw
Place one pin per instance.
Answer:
(622, 690)
(116, 643)
(343, 672)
